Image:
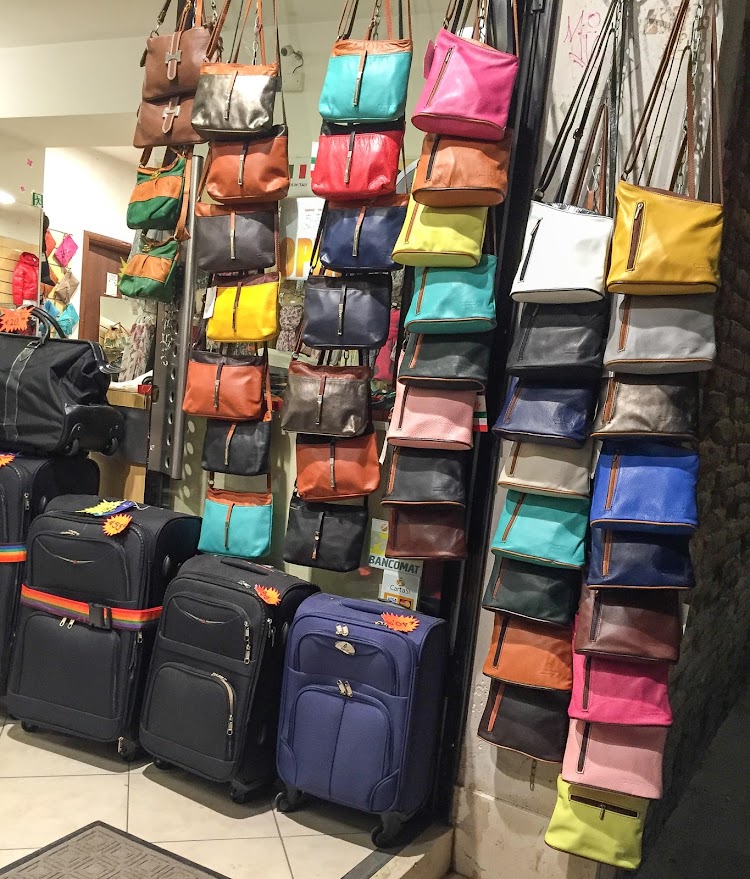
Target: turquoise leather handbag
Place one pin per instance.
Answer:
(543, 530)
(237, 523)
(452, 301)
(367, 80)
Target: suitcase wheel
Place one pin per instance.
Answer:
(127, 751)
(162, 764)
(389, 831)
(29, 727)
(289, 799)
(243, 793)
(111, 446)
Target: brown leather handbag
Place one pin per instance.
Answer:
(640, 624)
(249, 171)
(334, 469)
(227, 388)
(166, 123)
(426, 531)
(455, 172)
(530, 654)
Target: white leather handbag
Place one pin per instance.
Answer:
(565, 255)
(549, 470)
(654, 335)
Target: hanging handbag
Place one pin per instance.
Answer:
(426, 531)
(237, 523)
(638, 560)
(560, 343)
(446, 301)
(443, 237)
(619, 501)
(357, 162)
(555, 471)
(653, 407)
(621, 692)
(228, 388)
(530, 654)
(331, 469)
(557, 415)
(424, 476)
(542, 530)
(246, 311)
(423, 419)
(241, 448)
(600, 825)
(232, 100)
(451, 103)
(627, 760)
(232, 240)
(329, 536)
(151, 272)
(251, 171)
(454, 172)
(640, 625)
(366, 80)
(531, 722)
(459, 363)
(360, 239)
(157, 197)
(666, 243)
(166, 123)
(661, 334)
(347, 312)
(326, 400)
(546, 595)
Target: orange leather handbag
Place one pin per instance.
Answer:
(253, 170)
(530, 654)
(227, 388)
(329, 468)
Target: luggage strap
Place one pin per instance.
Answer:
(98, 616)
(12, 553)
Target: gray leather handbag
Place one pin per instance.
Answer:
(236, 240)
(653, 335)
(662, 407)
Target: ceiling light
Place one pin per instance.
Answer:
(6, 197)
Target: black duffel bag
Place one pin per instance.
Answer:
(53, 394)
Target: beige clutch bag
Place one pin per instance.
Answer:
(549, 470)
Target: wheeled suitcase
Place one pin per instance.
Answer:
(361, 706)
(27, 484)
(213, 692)
(53, 394)
(92, 597)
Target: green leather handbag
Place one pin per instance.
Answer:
(543, 530)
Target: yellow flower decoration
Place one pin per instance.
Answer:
(115, 525)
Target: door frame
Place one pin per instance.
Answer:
(89, 304)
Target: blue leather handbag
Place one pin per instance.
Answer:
(636, 560)
(361, 239)
(237, 523)
(645, 487)
(557, 415)
(452, 301)
(543, 530)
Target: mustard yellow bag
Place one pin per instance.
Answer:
(597, 824)
(246, 311)
(443, 237)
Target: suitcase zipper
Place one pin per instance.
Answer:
(609, 404)
(513, 517)
(246, 660)
(500, 640)
(527, 331)
(625, 325)
(417, 349)
(526, 259)
(440, 76)
(230, 700)
(584, 747)
(595, 617)
(603, 807)
(433, 156)
(586, 683)
(612, 481)
(421, 290)
(514, 458)
(607, 554)
(635, 238)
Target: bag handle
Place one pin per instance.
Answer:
(600, 120)
(243, 565)
(213, 43)
(45, 318)
(349, 14)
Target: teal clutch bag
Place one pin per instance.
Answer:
(237, 523)
(543, 530)
(452, 301)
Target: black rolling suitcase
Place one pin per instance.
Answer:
(213, 692)
(89, 610)
(27, 484)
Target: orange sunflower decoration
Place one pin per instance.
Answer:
(114, 525)
(14, 320)
(5, 459)
(400, 623)
(269, 595)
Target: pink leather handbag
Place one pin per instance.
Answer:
(625, 759)
(427, 419)
(625, 693)
(468, 84)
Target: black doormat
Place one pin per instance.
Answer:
(102, 852)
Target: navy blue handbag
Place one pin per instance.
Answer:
(557, 415)
(645, 487)
(354, 238)
(636, 560)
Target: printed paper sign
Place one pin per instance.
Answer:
(401, 577)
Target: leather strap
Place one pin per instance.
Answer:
(98, 616)
(181, 232)
(213, 44)
(349, 14)
(601, 120)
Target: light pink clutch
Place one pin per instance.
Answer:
(428, 419)
(626, 759)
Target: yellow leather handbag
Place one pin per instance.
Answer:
(246, 311)
(441, 237)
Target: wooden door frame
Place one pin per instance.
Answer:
(90, 312)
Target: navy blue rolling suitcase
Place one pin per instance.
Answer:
(361, 708)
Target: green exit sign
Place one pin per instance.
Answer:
(37, 199)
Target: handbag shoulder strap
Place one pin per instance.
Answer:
(181, 232)
(213, 44)
(260, 38)
(601, 121)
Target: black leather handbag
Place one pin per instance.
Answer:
(457, 363)
(237, 447)
(535, 592)
(329, 536)
(560, 343)
(236, 239)
(349, 312)
(426, 476)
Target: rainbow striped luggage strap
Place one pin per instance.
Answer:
(99, 616)
(12, 553)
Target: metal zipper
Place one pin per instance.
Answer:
(595, 617)
(513, 517)
(342, 307)
(358, 82)
(433, 156)
(625, 325)
(332, 462)
(635, 237)
(527, 331)
(349, 156)
(241, 172)
(526, 259)
(345, 688)
(233, 236)
(230, 698)
(440, 76)
(612, 481)
(236, 306)
(247, 643)
(421, 290)
(586, 683)
(584, 747)
(227, 522)
(500, 640)
(603, 807)
(358, 230)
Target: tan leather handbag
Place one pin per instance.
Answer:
(530, 654)
(166, 123)
(534, 468)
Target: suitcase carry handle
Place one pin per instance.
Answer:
(246, 566)
(372, 607)
(41, 315)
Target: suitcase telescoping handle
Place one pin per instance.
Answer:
(246, 566)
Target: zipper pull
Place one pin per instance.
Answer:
(638, 211)
(342, 688)
(348, 688)
(139, 638)
(602, 811)
(271, 632)
(230, 725)
(247, 643)
(26, 501)
(71, 623)
(63, 621)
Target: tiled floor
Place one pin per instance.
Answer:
(51, 785)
